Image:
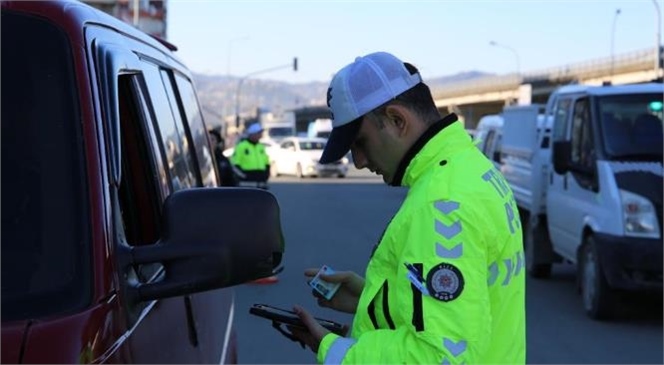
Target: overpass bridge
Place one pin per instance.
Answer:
(472, 99)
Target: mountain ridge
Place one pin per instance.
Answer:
(217, 94)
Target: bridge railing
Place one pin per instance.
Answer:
(635, 61)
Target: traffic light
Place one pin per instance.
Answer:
(295, 64)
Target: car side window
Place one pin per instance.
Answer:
(176, 149)
(486, 149)
(194, 120)
(141, 186)
(545, 139)
(184, 159)
(583, 148)
(496, 148)
(560, 115)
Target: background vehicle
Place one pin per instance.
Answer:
(277, 127)
(299, 156)
(320, 128)
(593, 197)
(488, 135)
(115, 242)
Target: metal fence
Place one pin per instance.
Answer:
(641, 60)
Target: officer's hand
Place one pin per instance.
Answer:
(348, 295)
(315, 333)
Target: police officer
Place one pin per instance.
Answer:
(250, 159)
(446, 282)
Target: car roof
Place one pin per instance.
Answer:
(73, 16)
(612, 89)
(490, 121)
(305, 139)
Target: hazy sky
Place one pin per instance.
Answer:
(439, 37)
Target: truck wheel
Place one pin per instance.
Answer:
(534, 253)
(598, 297)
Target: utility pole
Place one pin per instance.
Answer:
(516, 55)
(239, 85)
(658, 37)
(613, 39)
(136, 9)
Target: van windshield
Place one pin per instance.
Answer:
(45, 248)
(631, 126)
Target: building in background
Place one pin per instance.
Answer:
(146, 15)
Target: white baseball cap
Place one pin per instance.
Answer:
(359, 88)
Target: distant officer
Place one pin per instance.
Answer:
(250, 158)
(446, 282)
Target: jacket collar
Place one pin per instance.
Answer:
(441, 140)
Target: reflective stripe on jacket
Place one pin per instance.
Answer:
(459, 228)
(250, 156)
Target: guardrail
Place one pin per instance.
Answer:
(641, 60)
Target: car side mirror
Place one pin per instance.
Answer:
(561, 156)
(211, 238)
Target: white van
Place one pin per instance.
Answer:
(320, 128)
(593, 198)
(488, 135)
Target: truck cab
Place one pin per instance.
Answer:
(586, 172)
(604, 199)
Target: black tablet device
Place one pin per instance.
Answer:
(290, 318)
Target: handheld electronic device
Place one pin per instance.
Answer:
(323, 287)
(290, 318)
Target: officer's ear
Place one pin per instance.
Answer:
(399, 117)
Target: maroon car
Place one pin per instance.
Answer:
(117, 246)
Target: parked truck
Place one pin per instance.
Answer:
(586, 172)
(277, 126)
(488, 135)
(320, 128)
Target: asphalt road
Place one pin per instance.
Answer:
(337, 222)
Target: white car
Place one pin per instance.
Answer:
(299, 156)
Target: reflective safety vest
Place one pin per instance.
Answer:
(250, 156)
(446, 283)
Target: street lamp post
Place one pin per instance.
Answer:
(658, 40)
(136, 13)
(613, 39)
(516, 55)
(239, 85)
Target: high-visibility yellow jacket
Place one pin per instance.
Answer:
(250, 156)
(460, 229)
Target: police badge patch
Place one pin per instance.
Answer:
(445, 282)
